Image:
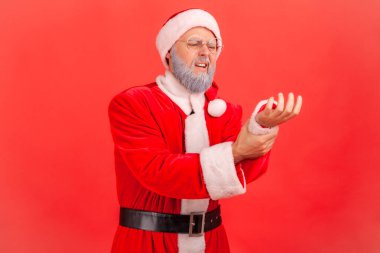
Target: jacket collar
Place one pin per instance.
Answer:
(187, 101)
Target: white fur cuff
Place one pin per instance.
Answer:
(254, 127)
(219, 171)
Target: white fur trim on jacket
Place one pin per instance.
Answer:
(255, 127)
(196, 139)
(217, 107)
(181, 23)
(196, 134)
(219, 171)
(177, 93)
(188, 244)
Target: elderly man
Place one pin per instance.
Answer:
(179, 148)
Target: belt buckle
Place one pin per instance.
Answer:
(192, 224)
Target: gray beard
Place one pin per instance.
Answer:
(195, 83)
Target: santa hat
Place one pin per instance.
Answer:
(180, 23)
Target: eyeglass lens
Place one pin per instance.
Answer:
(195, 43)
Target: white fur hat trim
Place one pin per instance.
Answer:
(217, 107)
(181, 23)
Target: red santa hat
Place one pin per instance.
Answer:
(180, 23)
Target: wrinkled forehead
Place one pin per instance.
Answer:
(198, 31)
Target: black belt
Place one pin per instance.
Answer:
(194, 224)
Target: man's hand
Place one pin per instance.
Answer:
(273, 117)
(249, 146)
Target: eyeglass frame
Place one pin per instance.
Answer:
(218, 44)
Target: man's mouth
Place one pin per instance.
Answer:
(201, 65)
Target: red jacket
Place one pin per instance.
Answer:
(154, 172)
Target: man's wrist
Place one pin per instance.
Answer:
(237, 157)
(258, 121)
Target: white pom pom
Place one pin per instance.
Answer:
(217, 107)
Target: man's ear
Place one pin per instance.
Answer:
(168, 57)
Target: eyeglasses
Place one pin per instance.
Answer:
(194, 44)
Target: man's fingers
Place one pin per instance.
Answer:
(280, 105)
(297, 107)
(290, 103)
(270, 144)
(283, 112)
(295, 112)
(269, 137)
(270, 103)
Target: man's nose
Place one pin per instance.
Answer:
(203, 50)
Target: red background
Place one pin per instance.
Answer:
(62, 61)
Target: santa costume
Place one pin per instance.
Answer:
(173, 154)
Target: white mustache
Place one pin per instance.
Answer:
(201, 59)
